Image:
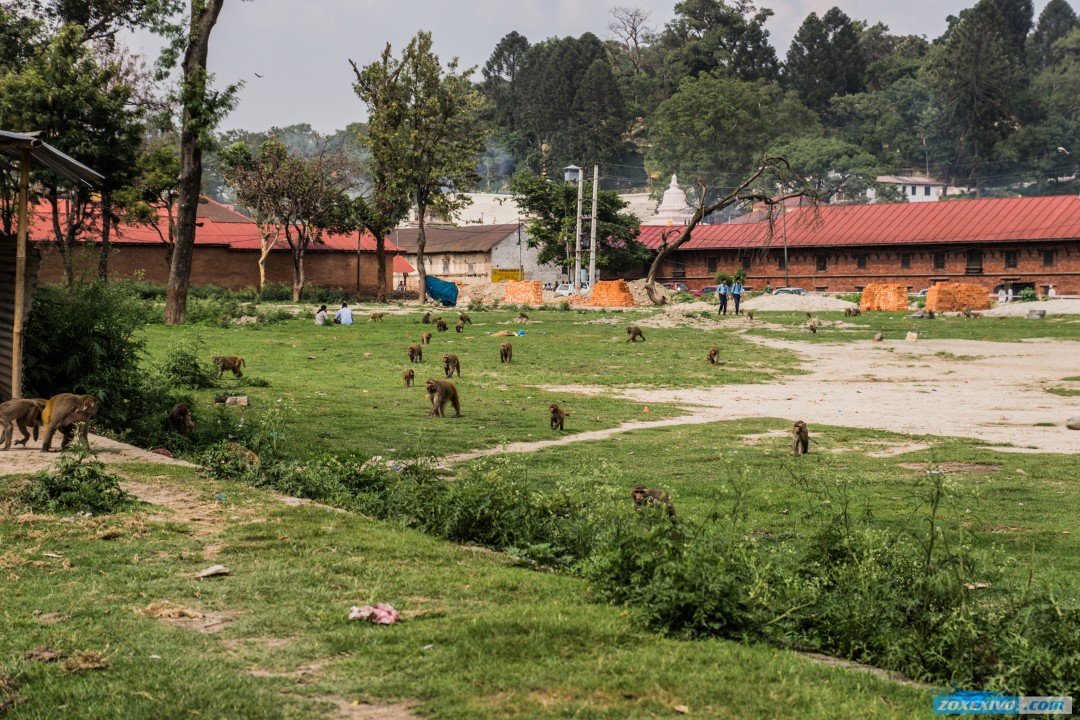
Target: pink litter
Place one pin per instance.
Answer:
(381, 614)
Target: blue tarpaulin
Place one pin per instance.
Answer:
(442, 291)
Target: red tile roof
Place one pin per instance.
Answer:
(956, 221)
(218, 225)
(401, 265)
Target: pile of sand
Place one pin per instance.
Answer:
(1020, 309)
(798, 303)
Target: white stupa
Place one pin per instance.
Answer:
(674, 209)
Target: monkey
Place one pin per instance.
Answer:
(644, 496)
(62, 412)
(425, 339)
(180, 419)
(812, 325)
(450, 364)
(228, 362)
(506, 353)
(929, 314)
(460, 325)
(878, 337)
(465, 319)
(558, 417)
(809, 316)
(634, 332)
(24, 413)
(800, 439)
(522, 317)
(416, 353)
(376, 316)
(714, 355)
(426, 319)
(439, 392)
(408, 376)
(750, 315)
(440, 325)
(847, 312)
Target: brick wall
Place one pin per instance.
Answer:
(232, 269)
(525, 292)
(954, 297)
(887, 298)
(884, 266)
(611, 293)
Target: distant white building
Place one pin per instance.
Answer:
(913, 188)
(674, 208)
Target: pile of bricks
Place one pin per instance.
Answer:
(524, 292)
(955, 297)
(885, 298)
(611, 293)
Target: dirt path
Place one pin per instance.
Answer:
(966, 388)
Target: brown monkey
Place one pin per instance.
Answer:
(465, 319)
(634, 332)
(800, 439)
(506, 353)
(21, 412)
(180, 419)
(439, 392)
(929, 314)
(652, 496)
(809, 316)
(228, 362)
(416, 353)
(408, 376)
(426, 319)
(460, 325)
(856, 312)
(750, 315)
(440, 325)
(847, 312)
(425, 339)
(714, 355)
(376, 316)
(450, 364)
(62, 412)
(522, 317)
(558, 417)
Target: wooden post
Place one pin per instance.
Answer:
(20, 277)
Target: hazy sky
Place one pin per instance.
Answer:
(302, 49)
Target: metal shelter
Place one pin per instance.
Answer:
(26, 150)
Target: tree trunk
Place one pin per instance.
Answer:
(380, 256)
(62, 234)
(298, 265)
(106, 227)
(421, 272)
(204, 15)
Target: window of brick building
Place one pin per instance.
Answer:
(974, 262)
(1048, 258)
(1011, 258)
(926, 191)
(939, 261)
(712, 265)
(678, 269)
(446, 265)
(746, 263)
(860, 262)
(822, 263)
(780, 264)
(905, 261)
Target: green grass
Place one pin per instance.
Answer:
(481, 637)
(894, 326)
(1064, 392)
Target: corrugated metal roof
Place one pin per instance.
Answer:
(449, 238)
(958, 221)
(42, 153)
(218, 225)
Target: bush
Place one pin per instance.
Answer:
(280, 292)
(78, 484)
(564, 305)
(1028, 295)
(183, 365)
(216, 311)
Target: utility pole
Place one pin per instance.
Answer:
(577, 234)
(592, 227)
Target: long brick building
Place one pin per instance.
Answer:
(1022, 242)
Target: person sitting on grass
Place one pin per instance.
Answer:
(344, 315)
(321, 315)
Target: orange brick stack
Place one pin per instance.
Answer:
(886, 298)
(524, 292)
(612, 293)
(954, 297)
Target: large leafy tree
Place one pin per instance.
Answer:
(890, 58)
(825, 59)
(718, 36)
(552, 208)
(829, 166)
(424, 131)
(1056, 21)
(716, 128)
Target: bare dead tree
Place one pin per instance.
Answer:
(632, 30)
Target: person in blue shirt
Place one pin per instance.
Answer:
(721, 293)
(736, 293)
(344, 315)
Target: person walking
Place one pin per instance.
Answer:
(344, 315)
(721, 293)
(736, 293)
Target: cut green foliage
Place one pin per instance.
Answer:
(78, 484)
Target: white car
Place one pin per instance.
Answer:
(567, 289)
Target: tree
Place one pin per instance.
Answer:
(1056, 21)
(99, 20)
(202, 109)
(423, 131)
(890, 58)
(157, 186)
(1018, 16)
(825, 59)
(792, 185)
(552, 207)
(830, 166)
(714, 36)
(261, 181)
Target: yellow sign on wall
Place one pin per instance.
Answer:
(500, 275)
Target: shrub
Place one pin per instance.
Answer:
(77, 484)
(1028, 295)
(216, 311)
(183, 365)
(280, 292)
(564, 305)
